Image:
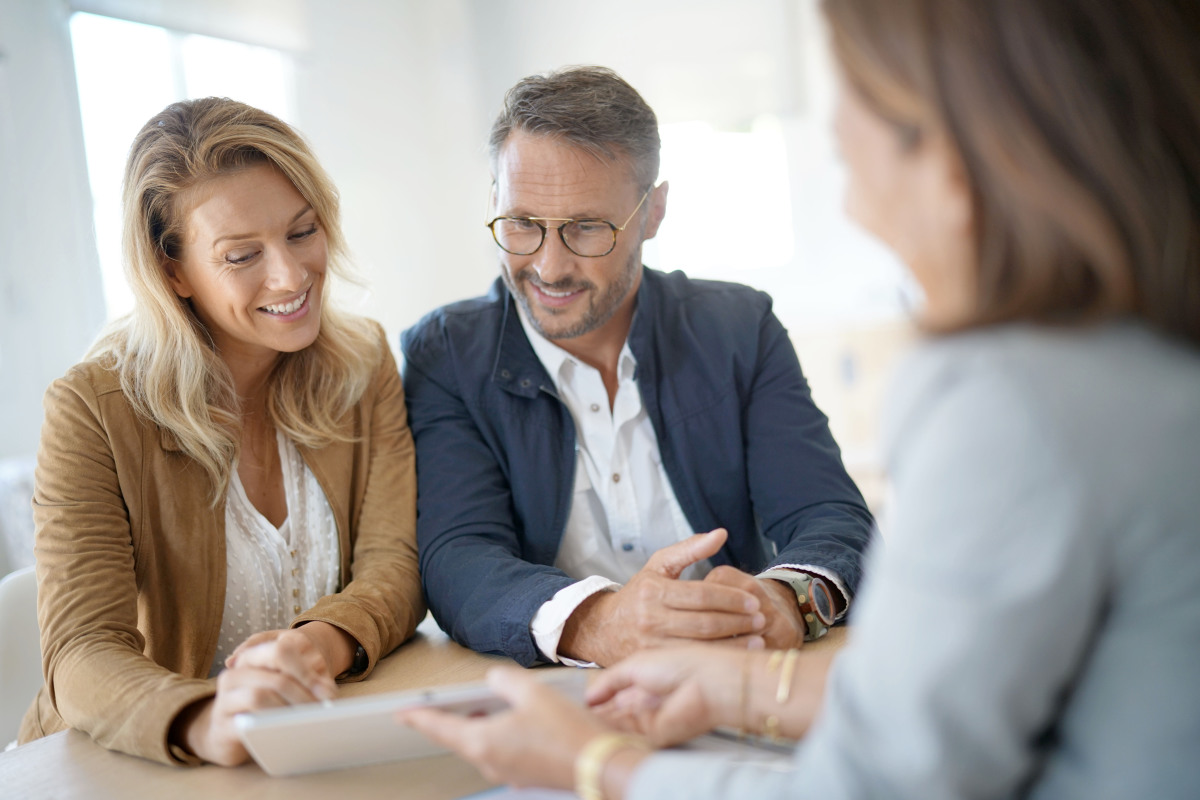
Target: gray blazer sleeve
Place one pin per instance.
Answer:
(989, 621)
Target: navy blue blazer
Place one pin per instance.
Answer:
(741, 441)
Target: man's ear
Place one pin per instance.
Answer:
(175, 277)
(658, 209)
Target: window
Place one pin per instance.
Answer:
(127, 72)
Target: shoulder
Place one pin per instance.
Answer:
(89, 397)
(676, 294)
(458, 325)
(678, 313)
(92, 381)
(1079, 395)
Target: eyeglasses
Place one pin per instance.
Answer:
(590, 238)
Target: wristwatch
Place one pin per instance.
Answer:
(359, 664)
(813, 595)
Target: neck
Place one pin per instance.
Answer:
(602, 347)
(250, 379)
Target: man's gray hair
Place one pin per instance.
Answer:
(591, 108)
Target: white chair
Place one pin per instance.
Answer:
(20, 650)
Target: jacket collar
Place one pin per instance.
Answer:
(517, 369)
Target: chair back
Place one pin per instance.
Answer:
(20, 650)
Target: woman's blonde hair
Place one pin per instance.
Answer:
(1078, 127)
(168, 367)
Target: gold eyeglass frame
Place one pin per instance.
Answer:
(563, 222)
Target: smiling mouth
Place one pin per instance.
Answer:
(282, 310)
(552, 293)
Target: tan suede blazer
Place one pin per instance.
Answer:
(131, 557)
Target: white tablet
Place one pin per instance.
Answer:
(363, 730)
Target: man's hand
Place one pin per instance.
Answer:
(785, 626)
(656, 608)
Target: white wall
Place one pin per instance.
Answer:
(51, 305)
(388, 96)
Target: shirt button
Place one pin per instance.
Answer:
(295, 592)
(296, 609)
(292, 554)
(595, 406)
(627, 547)
(616, 477)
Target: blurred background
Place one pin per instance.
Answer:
(396, 97)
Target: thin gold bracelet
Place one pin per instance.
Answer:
(785, 677)
(745, 726)
(591, 761)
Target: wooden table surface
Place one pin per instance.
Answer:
(71, 765)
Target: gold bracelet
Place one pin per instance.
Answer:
(785, 677)
(591, 761)
(745, 726)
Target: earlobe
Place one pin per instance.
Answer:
(658, 209)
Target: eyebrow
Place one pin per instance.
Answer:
(238, 236)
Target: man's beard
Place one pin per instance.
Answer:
(599, 310)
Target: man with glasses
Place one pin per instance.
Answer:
(579, 425)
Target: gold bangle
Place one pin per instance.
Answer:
(590, 763)
(785, 677)
(745, 727)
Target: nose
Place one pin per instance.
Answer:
(553, 261)
(285, 272)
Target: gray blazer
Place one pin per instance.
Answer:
(1030, 624)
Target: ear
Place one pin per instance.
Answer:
(175, 276)
(491, 201)
(658, 209)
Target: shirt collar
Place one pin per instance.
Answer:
(559, 363)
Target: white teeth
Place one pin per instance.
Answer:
(549, 293)
(287, 308)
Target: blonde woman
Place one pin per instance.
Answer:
(225, 501)
(1031, 626)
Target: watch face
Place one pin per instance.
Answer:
(822, 601)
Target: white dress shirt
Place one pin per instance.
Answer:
(272, 574)
(623, 508)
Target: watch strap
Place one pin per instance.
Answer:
(800, 582)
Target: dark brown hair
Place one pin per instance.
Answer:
(591, 108)
(1078, 126)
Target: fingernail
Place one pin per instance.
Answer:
(751, 604)
(759, 621)
(756, 643)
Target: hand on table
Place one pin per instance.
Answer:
(534, 743)
(268, 670)
(655, 608)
